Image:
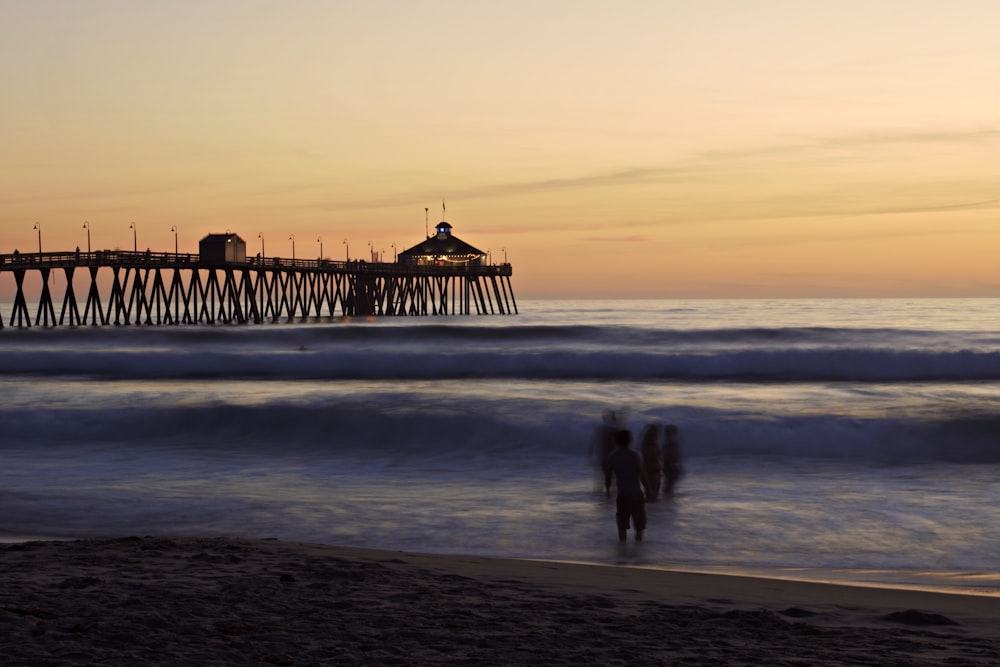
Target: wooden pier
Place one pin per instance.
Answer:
(114, 287)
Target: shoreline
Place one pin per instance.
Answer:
(191, 601)
(943, 581)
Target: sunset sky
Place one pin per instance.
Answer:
(718, 148)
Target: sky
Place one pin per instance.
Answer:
(663, 149)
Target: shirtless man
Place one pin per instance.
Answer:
(625, 466)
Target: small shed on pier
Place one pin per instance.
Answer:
(443, 249)
(222, 249)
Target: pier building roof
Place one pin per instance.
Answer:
(441, 248)
(222, 248)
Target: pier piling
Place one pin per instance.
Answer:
(146, 288)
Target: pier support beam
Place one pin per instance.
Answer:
(161, 288)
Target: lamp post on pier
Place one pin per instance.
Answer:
(86, 225)
(260, 235)
(347, 251)
(504, 249)
(135, 237)
(320, 242)
(39, 228)
(393, 246)
(291, 237)
(371, 252)
(174, 230)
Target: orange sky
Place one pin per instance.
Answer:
(722, 148)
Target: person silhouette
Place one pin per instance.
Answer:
(672, 468)
(652, 460)
(602, 444)
(625, 466)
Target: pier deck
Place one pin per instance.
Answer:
(119, 287)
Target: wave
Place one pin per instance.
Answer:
(492, 435)
(435, 363)
(491, 349)
(430, 331)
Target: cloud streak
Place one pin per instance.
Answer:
(712, 167)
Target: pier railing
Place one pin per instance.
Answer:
(129, 287)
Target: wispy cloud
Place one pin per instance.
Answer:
(806, 237)
(705, 167)
(719, 170)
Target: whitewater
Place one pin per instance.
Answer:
(844, 440)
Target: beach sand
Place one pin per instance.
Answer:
(152, 601)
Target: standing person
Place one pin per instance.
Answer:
(672, 469)
(625, 466)
(602, 444)
(652, 460)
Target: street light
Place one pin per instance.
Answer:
(371, 253)
(347, 251)
(39, 228)
(504, 249)
(261, 237)
(86, 225)
(320, 242)
(291, 237)
(393, 246)
(174, 230)
(135, 239)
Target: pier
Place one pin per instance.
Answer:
(117, 288)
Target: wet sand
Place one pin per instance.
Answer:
(154, 601)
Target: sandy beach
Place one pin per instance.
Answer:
(146, 600)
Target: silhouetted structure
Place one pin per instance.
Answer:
(217, 249)
(443, 249)
(220, 285)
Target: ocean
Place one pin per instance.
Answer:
(830, 440)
